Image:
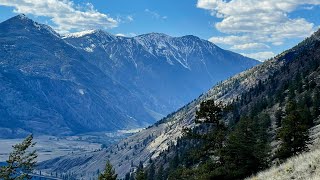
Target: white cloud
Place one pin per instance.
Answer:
(130, 18)
(64, 14)
(250, 46)
(261, 56)
(155, 15)
(258, 21)
(263, 18)
(230, 40)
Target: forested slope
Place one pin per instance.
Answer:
(265, 124)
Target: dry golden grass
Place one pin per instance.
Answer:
(304, 166)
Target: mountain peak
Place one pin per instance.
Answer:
(20, 18)
(154, 35)
(158, 34)
(24, 23)
(191, 37)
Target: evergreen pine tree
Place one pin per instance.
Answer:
(21, 161)
(140, 175)
(246, 149)
(109, 173)
(293, 133)
(210, 115)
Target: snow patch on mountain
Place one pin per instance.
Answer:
(88, 49)
(79, 34)
(81, 91)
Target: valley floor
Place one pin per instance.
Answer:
(49, 147)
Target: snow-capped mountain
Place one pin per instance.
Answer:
(95, 81)
(164, 72)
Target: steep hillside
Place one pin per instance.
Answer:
(277, 108)
(268, 82)
(94, 81)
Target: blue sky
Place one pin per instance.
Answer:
(255, 28)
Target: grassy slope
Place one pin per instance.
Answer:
(304, 166)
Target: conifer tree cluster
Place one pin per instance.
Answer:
(294, 131)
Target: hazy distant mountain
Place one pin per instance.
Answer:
(94, 81)
(165, 72)
(48, 87)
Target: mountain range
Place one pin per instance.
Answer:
(94, 81)
(262, 90)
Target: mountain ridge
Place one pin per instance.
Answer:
(158, 57)
(107, 84)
